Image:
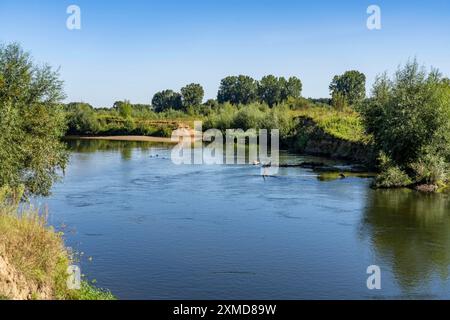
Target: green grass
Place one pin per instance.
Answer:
(37, 252)
(345, 125)
(90, 292)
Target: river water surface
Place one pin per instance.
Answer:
(145, 228)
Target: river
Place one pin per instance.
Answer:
(145, 228)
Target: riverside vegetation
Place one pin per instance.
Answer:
(33, 259)
(401, 130)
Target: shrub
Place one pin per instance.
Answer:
(339, 101)
(430, 169)
(81, 119)
(391, 175)
(250, 117)
(409, 113)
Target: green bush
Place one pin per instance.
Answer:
(81, 119)
(409, 113)
(392, 177)
(251, 116)
(430, 169)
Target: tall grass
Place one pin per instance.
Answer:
(37, 252)
(343, 124)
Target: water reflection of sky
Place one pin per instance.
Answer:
(156, 230)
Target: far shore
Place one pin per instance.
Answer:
(124, 138)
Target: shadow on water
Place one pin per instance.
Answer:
(410, 232)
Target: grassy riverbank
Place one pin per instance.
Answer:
(108, 124)
(34, 261)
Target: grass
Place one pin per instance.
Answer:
(345, 125)
(37, 252)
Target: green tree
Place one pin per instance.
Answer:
(211, 103)
(270, 90)
(351, 85)
(192, 95)
(32, 121)
(273, 90)
(237, 90)
(409, 118)
(81, 119)
(165, 100)
(292, 88)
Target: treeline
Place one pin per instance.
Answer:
(167, 105)
(406, 117)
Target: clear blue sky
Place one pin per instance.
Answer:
(131, 49)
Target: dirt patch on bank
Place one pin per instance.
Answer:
(14, 286)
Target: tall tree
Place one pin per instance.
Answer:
(270, 89)
(351, 85)
(32, 121)
(292, 88)
(165, 100)
(273, 90)
(192, 95)
(409, 115)
(237, 90)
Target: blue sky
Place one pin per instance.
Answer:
(131, 49)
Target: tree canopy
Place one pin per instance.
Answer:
(192, 95)
(409, 118)
(31, 123)
(237, 90)
(351, 86)
(167, 99)
(81, 118)
(273, 90)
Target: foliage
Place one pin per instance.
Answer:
(211, 103)
(339, 101)
(410, 114)
(430, 168)
(292, 88)
(81, 119)
(192, 95)
(32, 122)
(346, 124)
(237, 90)
(37, 252)
(125, 109)
(252, 116)
(270, 90)
(165, 100)
(351, 85)
(391, 176)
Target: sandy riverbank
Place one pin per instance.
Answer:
(125, 138)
